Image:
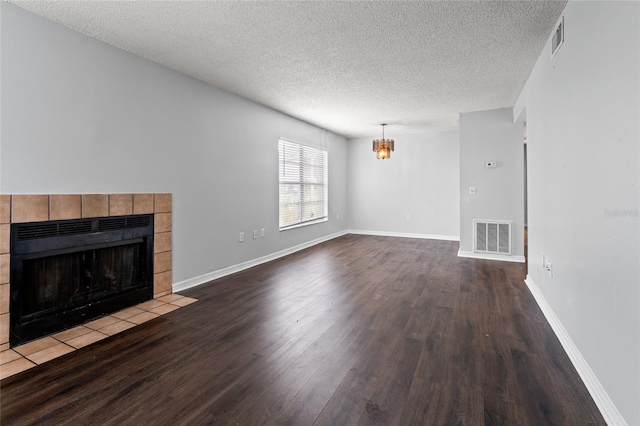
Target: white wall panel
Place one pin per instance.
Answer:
(583, 131)
(420, 180)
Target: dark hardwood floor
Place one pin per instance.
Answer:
(358, 330)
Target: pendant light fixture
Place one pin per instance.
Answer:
(383, 147)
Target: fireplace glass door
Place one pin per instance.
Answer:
(75, 279)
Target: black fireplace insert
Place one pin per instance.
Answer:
(67, 272)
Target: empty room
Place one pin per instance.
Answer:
(320, 212)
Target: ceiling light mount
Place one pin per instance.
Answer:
(383, 147)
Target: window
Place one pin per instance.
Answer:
(303, 184)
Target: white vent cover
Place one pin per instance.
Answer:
(558, 38)
(492, 236)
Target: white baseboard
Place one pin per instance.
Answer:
(609, 411)
(404, 235)
(213, 275)
(489, 256)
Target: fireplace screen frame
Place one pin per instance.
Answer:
(37, 240)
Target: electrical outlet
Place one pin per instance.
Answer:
(549, 267)
(255, 234)
(262, 233)
(241, 237)
(408, 217)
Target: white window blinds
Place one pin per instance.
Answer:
(303, 184)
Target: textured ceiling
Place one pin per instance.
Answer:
(344, 66)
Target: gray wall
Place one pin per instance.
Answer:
(491, 136)
(80, 116)
(583, 132)
(420, 180)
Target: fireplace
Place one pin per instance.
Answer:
(31, 208)
(67, 272)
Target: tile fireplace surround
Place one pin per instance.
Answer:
(38, 208)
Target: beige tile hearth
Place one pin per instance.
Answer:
(170, 298)
(102, 322)
(183, 301)
(15, 367)
(143, 317)
(50, 353)
(127, 313)
(149, 304)
(24, 357)
(36, 346)
(72, 333)
(164, 309)
(8, 356)
(116, 327)
(86, 339)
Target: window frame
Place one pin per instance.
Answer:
(306, 152)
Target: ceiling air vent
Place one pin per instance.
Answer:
(558, 38)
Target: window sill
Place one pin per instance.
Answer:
(300, 225)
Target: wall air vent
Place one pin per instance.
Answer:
(492, 236)
(558, 38)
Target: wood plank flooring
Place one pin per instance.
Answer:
(359, 330)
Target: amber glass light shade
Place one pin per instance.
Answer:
(383, 147)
